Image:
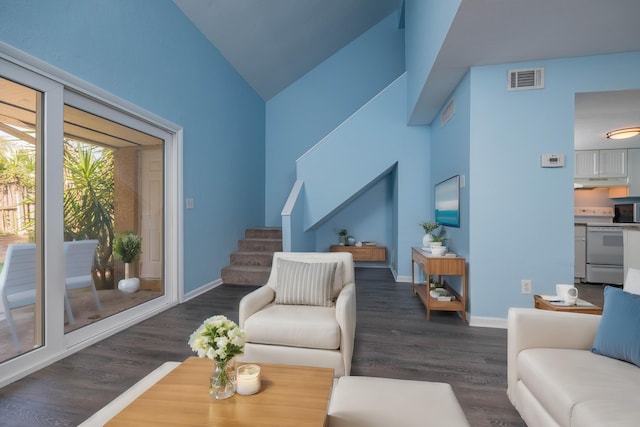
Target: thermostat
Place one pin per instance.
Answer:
(552, 161)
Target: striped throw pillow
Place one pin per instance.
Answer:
(305, 283)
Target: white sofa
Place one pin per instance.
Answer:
(302, 334)
(555, 380)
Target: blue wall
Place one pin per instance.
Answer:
(450, 146)
(521, 224)
(376, 141)
(427, 25)
(309, 109)
(148, 53)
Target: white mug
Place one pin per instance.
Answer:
(568, 293)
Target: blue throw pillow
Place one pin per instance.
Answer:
(618, 335)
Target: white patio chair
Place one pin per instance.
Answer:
(78, 259)
(18, 282)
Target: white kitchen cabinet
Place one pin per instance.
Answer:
(601, 163)
(634, 172)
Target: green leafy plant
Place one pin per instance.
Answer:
(89, 201)
(342, 233)
(429, 226)
(127, 246)
(439, 238)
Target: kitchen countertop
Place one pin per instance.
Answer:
(624, 226)
(632, 227)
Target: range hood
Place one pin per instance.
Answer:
(600, 182)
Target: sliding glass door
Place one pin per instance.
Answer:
(21, 284)
(77, 176)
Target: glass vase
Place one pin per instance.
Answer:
(223, 380)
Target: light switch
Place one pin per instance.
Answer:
(189, 203)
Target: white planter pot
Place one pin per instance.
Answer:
(129, 285)
(432, 244)
(426, 240)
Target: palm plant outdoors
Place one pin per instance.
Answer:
(88, 200)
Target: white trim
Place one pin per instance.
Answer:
(293, 197)
(34, 364)
(202, 289)
(403, 279)
(83, 87)
(350, 117)
(488, 322)
(78, 89)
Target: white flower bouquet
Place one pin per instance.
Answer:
(218, 339)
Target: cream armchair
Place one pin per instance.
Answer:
(294, 320)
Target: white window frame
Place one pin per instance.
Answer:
(59, 88)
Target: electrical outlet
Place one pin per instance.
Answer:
(525, 284)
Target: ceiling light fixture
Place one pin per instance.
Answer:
(623, 133)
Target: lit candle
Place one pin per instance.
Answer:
(248, 379)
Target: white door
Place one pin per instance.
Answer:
(151, 198)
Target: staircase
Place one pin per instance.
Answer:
(251, 264)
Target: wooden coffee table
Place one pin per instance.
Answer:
(289, 396)
(580, 307)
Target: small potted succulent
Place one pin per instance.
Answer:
(127, 247)
(342, 234)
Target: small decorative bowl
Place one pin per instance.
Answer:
(438, 250)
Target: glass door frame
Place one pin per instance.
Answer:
(59, 87)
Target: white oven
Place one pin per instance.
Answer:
(605, 253)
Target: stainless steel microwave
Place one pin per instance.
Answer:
(627, 212)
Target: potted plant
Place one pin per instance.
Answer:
(127, 247)
(343, 237)
(429, 227)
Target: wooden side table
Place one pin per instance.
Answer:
(441, 266)
(581, 306)
(363, 253)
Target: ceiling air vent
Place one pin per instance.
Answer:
(447, 112)
(532, 78)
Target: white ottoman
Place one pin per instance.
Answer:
(383, 402)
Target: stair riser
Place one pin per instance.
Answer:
(263, 233)
(239, 277)
(252, 259)
(259, 245)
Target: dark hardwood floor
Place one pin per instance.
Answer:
(393, 339)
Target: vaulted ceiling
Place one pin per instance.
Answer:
(272, 43)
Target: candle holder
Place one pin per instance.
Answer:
(248, 379)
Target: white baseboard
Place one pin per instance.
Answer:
(488, 322)
(403, 279)
(202, 289)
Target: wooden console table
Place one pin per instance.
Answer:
(440, 266)
(363, 253)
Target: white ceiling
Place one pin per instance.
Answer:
(272, 43)
(600, 112)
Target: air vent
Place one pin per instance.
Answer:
(448, 112)
(532, 78)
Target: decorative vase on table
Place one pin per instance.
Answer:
(223, 382)
(220, 340)
(426, 240)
